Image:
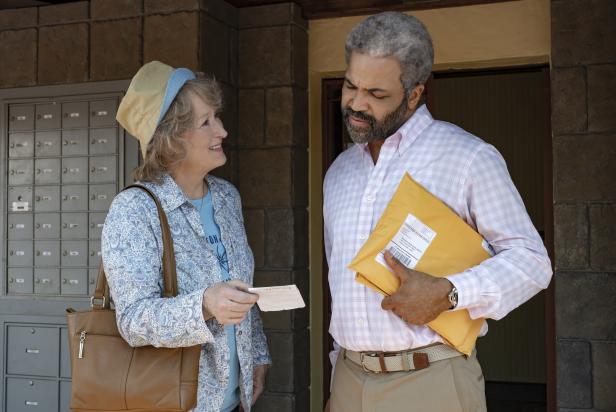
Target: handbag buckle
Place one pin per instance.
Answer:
(94, 299)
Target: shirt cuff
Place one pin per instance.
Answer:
(469, 294)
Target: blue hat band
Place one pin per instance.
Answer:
(177, 79)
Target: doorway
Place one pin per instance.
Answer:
(508, 108)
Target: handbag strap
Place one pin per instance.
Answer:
(101, 297)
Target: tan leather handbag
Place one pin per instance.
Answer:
(108, 374)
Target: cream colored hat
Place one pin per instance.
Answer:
(148, 98)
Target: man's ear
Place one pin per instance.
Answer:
(415, 97)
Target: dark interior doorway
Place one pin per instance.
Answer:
(508, 108)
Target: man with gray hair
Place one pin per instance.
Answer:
(385, 357)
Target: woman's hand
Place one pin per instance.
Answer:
(228, 302)
(258, 381)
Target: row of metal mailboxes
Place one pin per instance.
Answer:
(72, 253)
(66, 170)
(96, 198)
(27, 395)
(54, 115)
(52, 281)
(22, 226)
(77, 142)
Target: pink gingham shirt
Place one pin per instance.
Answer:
(471, 177)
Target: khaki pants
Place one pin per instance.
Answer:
(450, 385)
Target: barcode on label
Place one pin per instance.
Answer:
(403, 258)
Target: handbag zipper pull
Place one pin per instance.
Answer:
(82, 341)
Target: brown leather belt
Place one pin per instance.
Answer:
(409, 360)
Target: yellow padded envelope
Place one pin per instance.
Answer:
(425, 235)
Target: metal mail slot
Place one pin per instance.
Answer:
(74, 253)
(101, 196)
(46, 281)
(74, 197)
(74, 282)
(20, 199)
(47, 116)
(75, 170)
(103, 169)
(47, 198)
(21, 118)
(47, 225)
(74, 114)
(95, 253)
(102, 112)
(19, 280)
(20, 226)
(21, 145)
(46, 171)
(20, 253)
(21, 172)
(47, 143)
(27, 395)
(74, 225)
(103, 141)
(74, 142)
(92, 276)
(32, 350)
(97, 220)
(46, 253)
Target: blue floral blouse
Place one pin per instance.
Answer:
(132, 250)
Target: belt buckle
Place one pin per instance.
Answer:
(362, 355)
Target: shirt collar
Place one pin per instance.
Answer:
(171, 195)
(406, 135)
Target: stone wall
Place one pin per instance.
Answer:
(259, 55)
(273, 181)
(584, 150)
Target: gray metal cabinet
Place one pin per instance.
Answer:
(64, 158)
(32, 350)
(27, 395)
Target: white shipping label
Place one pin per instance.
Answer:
(410, 243)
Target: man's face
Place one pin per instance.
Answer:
(373, 102)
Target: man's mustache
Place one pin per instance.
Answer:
(347, 111)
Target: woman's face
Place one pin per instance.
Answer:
(204, 150)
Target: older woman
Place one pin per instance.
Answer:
(175, 116)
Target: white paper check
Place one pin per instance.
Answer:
(273, 298)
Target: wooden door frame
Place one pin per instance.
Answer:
(327, 113)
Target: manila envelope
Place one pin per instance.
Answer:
(425, 235)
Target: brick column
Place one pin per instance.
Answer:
(584, 149)
(273, 181)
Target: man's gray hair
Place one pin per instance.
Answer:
(399, 35)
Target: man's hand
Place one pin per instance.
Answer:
(420, 298)
(326, 409)
(258, 381)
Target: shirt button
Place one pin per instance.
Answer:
(363, 237)
(239, 333)
(369, 198)
(360, 322)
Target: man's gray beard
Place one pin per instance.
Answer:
(376, 130)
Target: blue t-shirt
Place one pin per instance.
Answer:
(212, 236)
